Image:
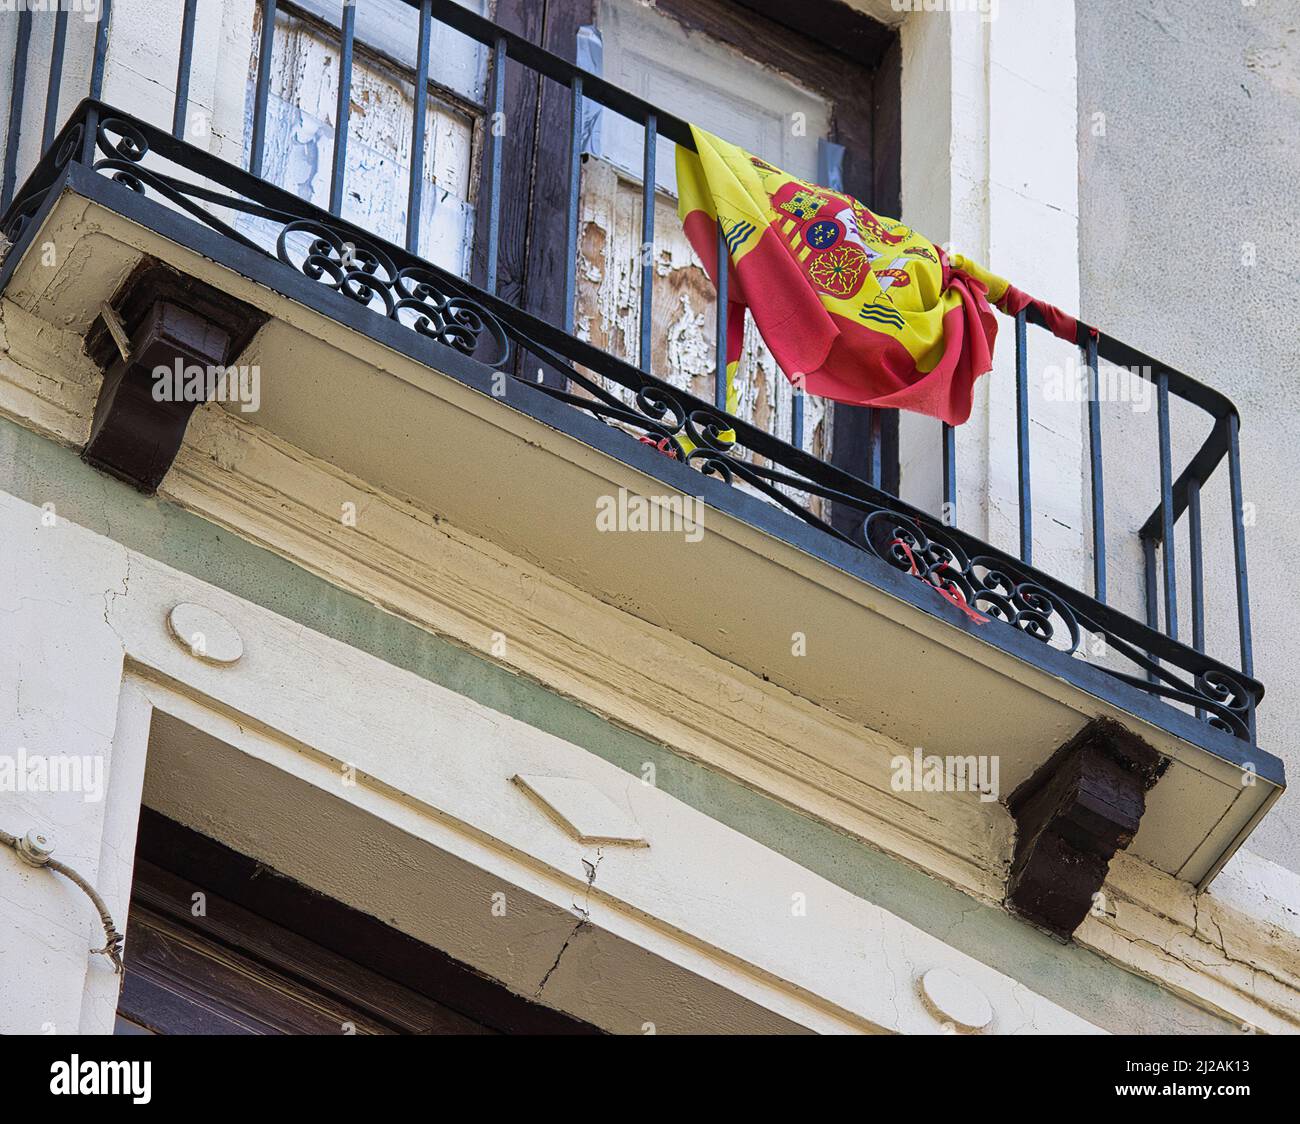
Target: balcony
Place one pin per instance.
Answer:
(509, 425)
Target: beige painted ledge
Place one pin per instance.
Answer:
(1237, 958)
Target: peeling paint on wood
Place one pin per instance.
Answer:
(300, 141)
(684, 331)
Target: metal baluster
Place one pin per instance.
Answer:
(56, 76)
(648, 237)
(1022, 441)
(1239, 545)
(796, 418)
(1239, 555)
(101, 50)
(16, 107)
(495, 130)
(1197, 564)
(1152, 593)
(263, 88)
(575, 183)
(414, 199)
(1197, 568)
(342, 115)
(875, 421)
(1168, 550)
(91, 121)
(1243, 593)
(1095, 475)
(183, 69)
(949, 475)
(720, 366)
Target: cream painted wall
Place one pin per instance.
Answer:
(93, 654)
(989, 169)
(1189, 118)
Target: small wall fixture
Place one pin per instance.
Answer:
(204, 633)
(955, 1000)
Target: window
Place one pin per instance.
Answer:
(303, 103)
(219, 944)
(709, 82)
(820, 99)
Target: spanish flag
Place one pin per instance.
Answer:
(854, 306)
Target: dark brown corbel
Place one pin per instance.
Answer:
(1079, 808)
(167, 318)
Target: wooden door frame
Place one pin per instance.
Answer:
(822, 44)
(279, 929)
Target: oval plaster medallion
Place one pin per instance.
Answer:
(204, 633)
(955, 999)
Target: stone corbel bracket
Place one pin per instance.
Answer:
(169, 320)
(1079, 808)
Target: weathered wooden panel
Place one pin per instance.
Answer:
(684, 329)
(300, 141)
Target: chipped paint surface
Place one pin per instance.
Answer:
(300, 142)
(299, 149)
(684, 325)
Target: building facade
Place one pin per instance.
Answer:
(395, 639)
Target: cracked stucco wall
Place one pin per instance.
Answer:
(60, 674)
(40, 471)
(1188, 164)
(435, 767)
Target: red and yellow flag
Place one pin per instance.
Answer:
(855, 307)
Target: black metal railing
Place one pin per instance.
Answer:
(396, 283)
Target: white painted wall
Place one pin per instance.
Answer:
(93, 653)
(1188, 117)
(989, 168)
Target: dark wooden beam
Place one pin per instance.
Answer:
(535, 169)
(518, 140)
(1072, 815)
(877, 181)
(168, 318)
(832, 23)
(365, 941)
(811, 39)
(548, 206)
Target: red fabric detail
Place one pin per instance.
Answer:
(844, 360)
(832, 356)
(702, 232)
(951, 593)
(663, 445)
(1061, 324)
(969, 333)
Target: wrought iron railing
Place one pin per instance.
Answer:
(395, 283)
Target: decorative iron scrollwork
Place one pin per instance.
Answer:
(428, 305)
(988, 585)
(21, 212)
(360, 272)
(414, 294)
(441, 307)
